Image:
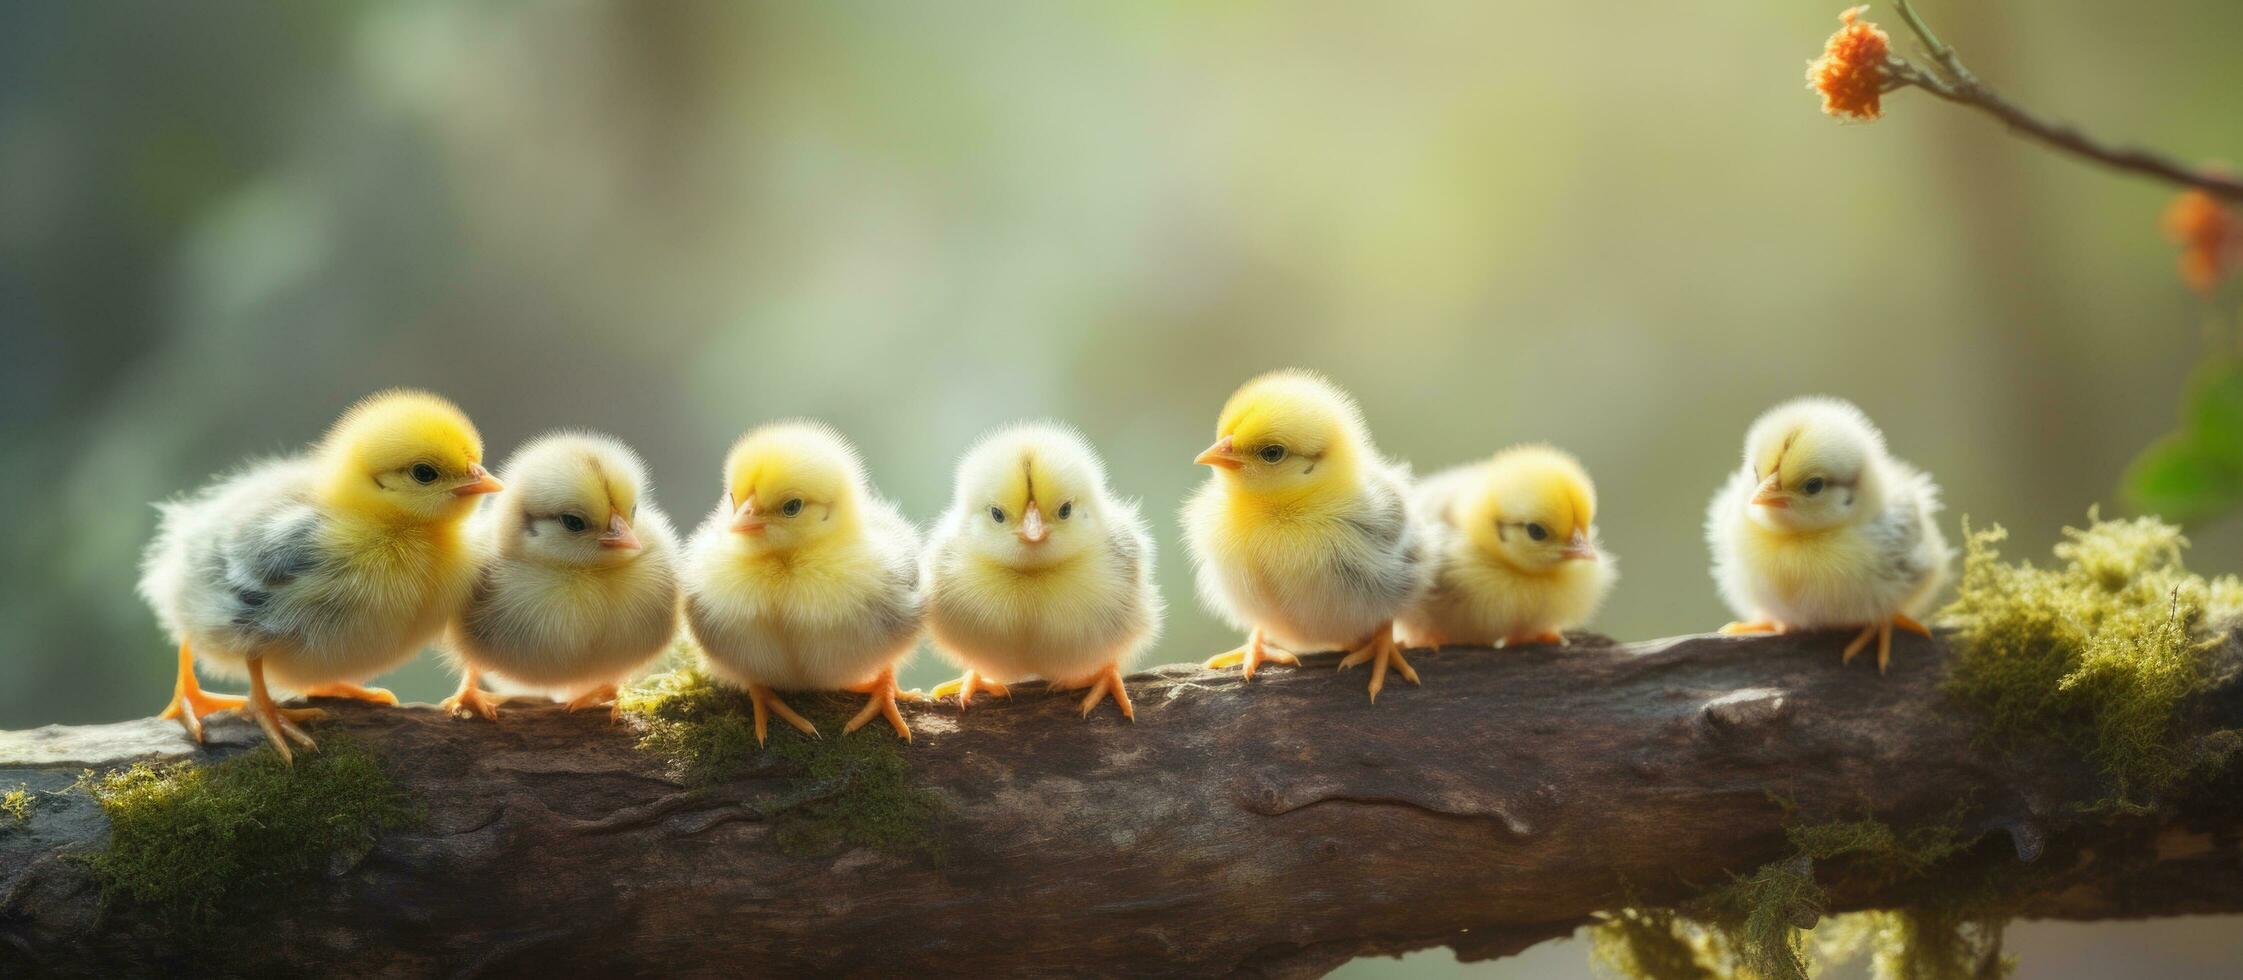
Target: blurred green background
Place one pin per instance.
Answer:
(1619, 227)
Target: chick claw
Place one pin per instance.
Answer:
(763, 699)
(279, 723)
(1255, 653)
(1883, 630)
(965, 687)
(598, 697)
(1109, 684)
(190, 703)
(883, 703)
(377, 695)
(1381, 652)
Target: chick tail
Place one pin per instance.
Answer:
(965, 687)
(279, 723)
(353, 692)
(1252, 656)
(190, 703)
(1381, 652)
(882, 704)
(1109, 684)
(766, 700)
(471, 701)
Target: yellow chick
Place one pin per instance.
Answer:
(321, 569)
(577, 585)
(1302, 535)
(1515, 552)
(1038, 569)
(1821, 528)
(804, 579)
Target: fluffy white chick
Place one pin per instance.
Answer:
(1821, 528)
(577, 581)
(1038, 569)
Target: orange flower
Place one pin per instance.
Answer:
(2210, 236)
(1851, 72)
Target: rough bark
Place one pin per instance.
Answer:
(1274, 827)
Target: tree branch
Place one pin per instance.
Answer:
(1278, 827)
(1949, 79)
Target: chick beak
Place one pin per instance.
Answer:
(1771, 493)
(1221, 455)
(619, 534)
(480, 482)
(1577, 548)
(1033, 530)
(746, 520)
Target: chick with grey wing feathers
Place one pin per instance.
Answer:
(1822, 528)
(576, 584)
(320, 570)
(1038, 569)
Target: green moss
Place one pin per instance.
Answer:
(1935, 944)
(1653, 944)
(851, 790)
(186, 840)
(15, 806)
(2097, 653)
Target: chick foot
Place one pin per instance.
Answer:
(353, 692)
(602, 696)
(965, 686)
(1545, 638)
(1252, 656)
(1883, 631)
(1380, 652)
(190, 703)
(883, 703)
(765, 700)
(471, 701)
(1109, 684)
(1757, 626)
(279, 723)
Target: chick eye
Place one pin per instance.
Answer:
(1273, 454)
(1066, 510)
(792, 507)
(572, 522)
(424, 473)
(1537, 532)
(1813, 485)
(997, 514)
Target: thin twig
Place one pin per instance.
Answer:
(1949, 79)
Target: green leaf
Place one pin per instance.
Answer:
(2183, 479)
(2213, 417)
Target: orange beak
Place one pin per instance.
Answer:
(1578, 549)
(1221, 455)
(619, 534)
(1771, 493)
(746, 520)
(482, 482)
(1032, 527)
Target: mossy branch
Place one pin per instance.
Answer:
(1279, 827)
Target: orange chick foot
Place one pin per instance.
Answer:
(1757, 626)
(279, 723)
(190, 703)
(602, 696)
(1545, 638)
(765, 700)
(882, 704)
(966, 686)
(1381, 653)
(1251, 656)
(1109, 684)
(351, 692)
(1883, 631)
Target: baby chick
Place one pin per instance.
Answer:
(1038, 569)
(322, 569)
(1302, 535)
(804, 579)
(1820, 528)
(1514, 546)
(578, 583)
